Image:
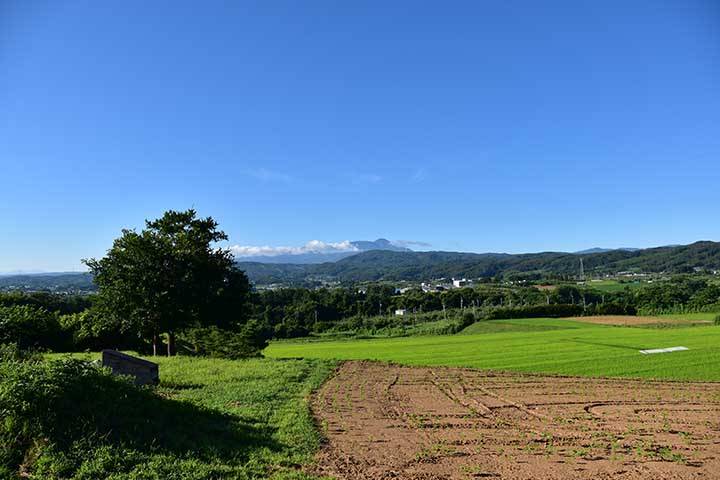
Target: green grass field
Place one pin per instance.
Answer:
(540, 345)
(708, 316)
(256, 413)
(613, 286)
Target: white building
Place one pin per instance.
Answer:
(400, 311)
(460, 283)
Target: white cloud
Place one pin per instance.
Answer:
(410, 243)
(313, 246)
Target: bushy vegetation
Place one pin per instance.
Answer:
(29, 326)
(216, 342)
(11, 352)
(169, 277)
(360, 312)
(209, 419)
(62, 304)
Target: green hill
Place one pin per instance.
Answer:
(417, 266)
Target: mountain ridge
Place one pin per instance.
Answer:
(311, 257)
(386, 265)
(377, 265)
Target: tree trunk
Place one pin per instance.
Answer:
(171, 344)
(155, 341)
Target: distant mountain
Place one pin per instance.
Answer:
(323, 257)
(379, 244)
(603, 250)
(62, 282)
(392, 265)
(418, 266)
(15, 273)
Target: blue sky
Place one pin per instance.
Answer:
(476, 126)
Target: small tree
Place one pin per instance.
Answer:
(169, 277)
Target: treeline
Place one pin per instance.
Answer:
(299, 312)
(59, 323)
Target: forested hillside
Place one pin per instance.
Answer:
(418, 266)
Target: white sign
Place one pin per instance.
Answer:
(664, 350)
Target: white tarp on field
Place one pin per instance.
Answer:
(664, 350)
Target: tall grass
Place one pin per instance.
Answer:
(208, 419)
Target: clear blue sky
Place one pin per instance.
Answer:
(477, 126)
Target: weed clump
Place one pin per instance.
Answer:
(62, 417)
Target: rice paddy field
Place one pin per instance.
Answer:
(541, 345)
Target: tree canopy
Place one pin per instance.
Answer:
(170, 276)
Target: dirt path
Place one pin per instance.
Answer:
(393, 422)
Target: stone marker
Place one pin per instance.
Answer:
(144, 372)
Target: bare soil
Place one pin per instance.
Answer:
(394, 422)
(628, 320)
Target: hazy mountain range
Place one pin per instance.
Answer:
(382, 260)
(603, 250)
(418, 266)
(307, 256)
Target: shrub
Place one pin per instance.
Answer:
(468, 319)
(62, 304)
(31, 327)
(59, 418)
(46, 405)
(611, 308)
(536, 311)
(216, 342)
(12, 352)
(456, 326)
(91, 330)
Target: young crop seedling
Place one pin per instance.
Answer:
(579, 452)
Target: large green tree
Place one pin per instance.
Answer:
(171, 276)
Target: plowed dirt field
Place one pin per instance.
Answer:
(393, 422)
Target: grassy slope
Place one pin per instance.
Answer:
(573, 348)
(691, 316)
(266, 403)
(519, 325)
